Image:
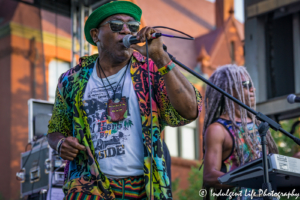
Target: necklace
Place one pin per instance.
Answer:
(116, 108)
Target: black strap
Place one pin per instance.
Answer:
(129, 64)
(114, 91)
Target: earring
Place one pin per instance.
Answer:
(98, 43)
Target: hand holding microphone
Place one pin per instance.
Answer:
(155, 45)
(129, 39)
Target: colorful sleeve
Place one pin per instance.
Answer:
(168, 113)
(61, 117)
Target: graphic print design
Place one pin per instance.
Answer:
(108, 137)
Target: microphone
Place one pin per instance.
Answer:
(129, 39)
(293, 98)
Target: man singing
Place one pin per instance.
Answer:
(101, 117)
(230, 132)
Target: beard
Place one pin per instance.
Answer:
(116, 55)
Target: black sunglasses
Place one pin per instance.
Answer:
(117, 25)
(247, 84)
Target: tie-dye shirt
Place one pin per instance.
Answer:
(70, 119)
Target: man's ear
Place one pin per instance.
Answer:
(94, 34)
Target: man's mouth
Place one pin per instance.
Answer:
(120, 41)
(122, 44)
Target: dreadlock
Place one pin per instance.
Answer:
(229, 78)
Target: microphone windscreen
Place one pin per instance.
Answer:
(291, 98)
(126, 41)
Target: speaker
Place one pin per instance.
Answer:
(35, 167)
(42, 169)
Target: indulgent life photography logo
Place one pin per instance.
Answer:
(249, 193)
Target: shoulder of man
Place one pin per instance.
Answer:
(67, 79)
(69, 75)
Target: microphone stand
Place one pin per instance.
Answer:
(263, 128)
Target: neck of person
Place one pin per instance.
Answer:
(238, 116)
(109, 65)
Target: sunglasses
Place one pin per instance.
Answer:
(247, 84)
(117, 25)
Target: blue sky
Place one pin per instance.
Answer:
(238, 9)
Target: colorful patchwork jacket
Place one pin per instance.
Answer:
(70, 119)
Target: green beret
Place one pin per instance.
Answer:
(109, 9)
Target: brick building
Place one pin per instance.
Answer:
(36, 47)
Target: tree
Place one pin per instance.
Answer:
(285, 145)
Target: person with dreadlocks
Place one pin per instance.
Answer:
(231, 138)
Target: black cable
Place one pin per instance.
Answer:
(173, 36)
(150, 98)
(295, 124)
(32, 145)
(28, 156)
(188, 36)
(27, 146)
(129, 64)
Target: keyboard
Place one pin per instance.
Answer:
(284, 174)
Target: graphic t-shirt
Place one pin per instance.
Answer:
(118, 145)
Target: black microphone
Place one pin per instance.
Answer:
(293, 98)
(129, 39)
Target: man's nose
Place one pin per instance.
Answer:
(125, 29)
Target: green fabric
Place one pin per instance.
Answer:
(109, 9)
